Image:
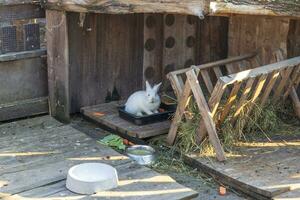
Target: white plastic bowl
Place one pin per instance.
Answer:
(89, 178)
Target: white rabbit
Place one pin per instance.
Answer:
(146, 102)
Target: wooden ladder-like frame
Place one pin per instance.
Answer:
(281, 77)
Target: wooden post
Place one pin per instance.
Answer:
(58, 64)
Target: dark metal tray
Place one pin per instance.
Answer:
(148, 119)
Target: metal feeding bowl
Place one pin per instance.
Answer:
(142, 154)
(89, 178)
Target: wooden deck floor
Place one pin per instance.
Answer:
(35, 155)
(264, 170)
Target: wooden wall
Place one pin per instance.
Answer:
(293, 42)
(122, 51)
(23, 68)
(212, 38)
(105, 53)
(248, 33)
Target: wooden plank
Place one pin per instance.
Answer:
(23, 79)
(41, 174)
(187, 7)
(293, 38)
(228, 8)
(21, 12)
(183, 100)
(175, 84)
(230, 101)
(217, 72)
(58, 64)
(242, 101)
(296, 101)
(212, 37)
(206, 78)
(179, 32)
(250, 33)
(206, 115)
(22, 55)
(18, 2)
(272, 172)
(112, 59)
(213, 104)
(107, 115)
(232, 78)
(254, 97)
(273, 77)
(218, 63)
(132, 186)
(285, 75)
(153, 45)
(293, 82)
(25, 108)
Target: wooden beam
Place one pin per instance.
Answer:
(188, 7)
(58, 64)
(22, 55)
(218, 63)
(18, 2)
(230, 79)
(296, 101)
(222, 8)
(24, 108)
(183, 103)
(213, 104)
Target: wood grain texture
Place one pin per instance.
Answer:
(206, 115)
(294, 39)
(212, 38)
(188, 7)
(232, 78)
(112, 57)
(24, 108)
(250, 33)
(179, 33)
(153, 47)
(107, 115)
(271, 173)
(18, 2)
(22, 55)
(41, 151)
(183, 103)
(58, 64)
(227, 8)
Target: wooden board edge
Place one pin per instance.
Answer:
(24, 108)
(225, 8)
(22, 55)
(234, 183)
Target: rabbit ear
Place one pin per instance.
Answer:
(156, 87)
(148, 86)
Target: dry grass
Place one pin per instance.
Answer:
(259, 124)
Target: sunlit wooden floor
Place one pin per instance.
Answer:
(35, 155)
(262, 169)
